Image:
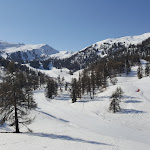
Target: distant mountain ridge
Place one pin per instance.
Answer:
(22, 52)
(81, 59)
(102, 47)
(43, 54)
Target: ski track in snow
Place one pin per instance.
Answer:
(87, 124)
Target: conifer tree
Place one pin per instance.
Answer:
(51, 88)
(115, 100)
(140, 72)
(128, 68)
(147, 70)
(93, 83)
(15, 100)
(73, 94)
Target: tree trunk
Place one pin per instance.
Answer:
(16, 121)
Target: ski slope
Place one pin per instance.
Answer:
(87, 124)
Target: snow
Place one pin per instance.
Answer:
(64, 72)
(54, 72)
(32, 52)
(26, 48)
(27, 52)
(87, 124)
(104, 45)
(62, 55)
(126, 40)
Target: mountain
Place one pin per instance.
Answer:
(103, 47)
(41, 56)
(22, 52)
(88, 123)
(106, 47)
(97, 51)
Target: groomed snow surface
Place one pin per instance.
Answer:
(87, 124)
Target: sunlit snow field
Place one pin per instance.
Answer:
(87, 124)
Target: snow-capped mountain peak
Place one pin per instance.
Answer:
(25, 52)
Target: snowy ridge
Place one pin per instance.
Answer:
(105, 45)
(62, 54)
(94, 52)
(31, 52)
(25, 52)
(26, 48)
(127, 40)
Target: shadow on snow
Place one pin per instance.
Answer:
(133, 101)
(64, 97)
(68, 138)
(60, 119)
(131, 111)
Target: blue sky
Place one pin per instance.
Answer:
(71, 24)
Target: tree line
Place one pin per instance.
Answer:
(101, 73)
(16, 94)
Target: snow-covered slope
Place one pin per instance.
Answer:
(62, 54)
(22, 52)
(138, 39)
(77, 60)
(116, 43)
(90, 54)
(54, 73)
(25, 52)
(87, 124)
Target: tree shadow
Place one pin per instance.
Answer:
(129, 97)
(104, 97)
(67, 138)
(91, 100)
(132, 101)
(131, 74)
(131, 111)
(60, 119)
(64, 98)
(95, 99)
(6, 128)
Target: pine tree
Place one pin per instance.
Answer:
(93, 83)
(15, 100)
(66, 86)
(140, 72)
(115, 100)
(128, 67)
(51, 88)
(74, 94)
(147, 70)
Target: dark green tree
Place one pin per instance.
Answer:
(115, 100)
(74, 93)
(140, 72)
(51, 88)
(147, 70)
(15, 100)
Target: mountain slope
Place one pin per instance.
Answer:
(103, 48)
(22, 52)
(123, 42)
(87, 124)
(94, 52)
(43, 54)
